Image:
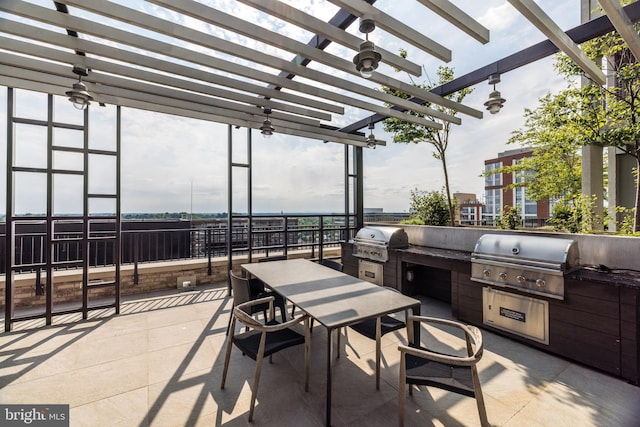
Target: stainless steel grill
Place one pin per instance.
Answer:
(371, 245)
(531, 264)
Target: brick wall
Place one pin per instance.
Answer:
(67, 284)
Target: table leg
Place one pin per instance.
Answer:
(416, 326)
(329, 363)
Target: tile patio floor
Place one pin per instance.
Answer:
(159, 363)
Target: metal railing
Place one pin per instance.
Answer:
(152, 241)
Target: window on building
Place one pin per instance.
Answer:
(491, 180)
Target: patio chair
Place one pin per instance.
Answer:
(455, 373)
(332, 264)
(375, 329)
(265, 339)
(244, 291)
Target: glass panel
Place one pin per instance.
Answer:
(3, 150)
(63, 160)
(30, 146)
(31, 105)
(240, 203)
(30, 192)
(68, 194)
(65, 112)
(239, 146)
(102, 206)
(68, 138)
(102, 174)
(103, 130)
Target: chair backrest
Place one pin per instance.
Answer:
(273, 258)
(332, 264)
(240, 289)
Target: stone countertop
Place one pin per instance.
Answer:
(617, 277)
(598, 274)
(449, 254)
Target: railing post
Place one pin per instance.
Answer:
(321, 247)
(209, 246)
(136, 249)
(286, 235)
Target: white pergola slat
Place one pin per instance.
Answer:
(530, 10)
(459, 18)
(239, 26)
(104, 51)
(395, 27)
(142, 59)
(317, 26)
(99, 30)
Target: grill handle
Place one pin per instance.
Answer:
(546, 267)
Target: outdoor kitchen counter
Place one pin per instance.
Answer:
(626, 278)
(597, 323)
(448, 254)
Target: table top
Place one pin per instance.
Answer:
(333, 298)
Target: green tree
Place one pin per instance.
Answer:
(429, 208)
(554, 171)
(609, 116)
(408, 132)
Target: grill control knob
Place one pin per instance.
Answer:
(486, 272)
(540, 283)
(520, 279)
(503, 276)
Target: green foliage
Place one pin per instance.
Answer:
(429, 208)
(413, 221)
(608, 115)
(409, 132)
(510, 218)
(565, 218)
(625, 224)
(555, 169)
(575, 216)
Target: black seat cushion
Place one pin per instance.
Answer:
(368, 327)
(426, 372)
(249, 342)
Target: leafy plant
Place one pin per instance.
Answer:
(510, 218)
(429, 208)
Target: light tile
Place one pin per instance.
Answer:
(161, 365)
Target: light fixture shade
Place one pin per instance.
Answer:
(79, 96)
(371, 141)
(367, 59)
(266, 129)
(495, 102)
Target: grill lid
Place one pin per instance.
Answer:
(390, 237)
(562, 254)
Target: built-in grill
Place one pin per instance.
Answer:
(531, 264)
(371, 245)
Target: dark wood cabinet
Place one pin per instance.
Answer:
(597, 323)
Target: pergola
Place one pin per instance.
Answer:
(230, 68)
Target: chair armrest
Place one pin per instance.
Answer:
(439, 357)
(241, 314)
(471, 333)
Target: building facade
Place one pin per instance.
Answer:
(498, 195)
(468, 209)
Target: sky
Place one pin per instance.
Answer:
(171, 163)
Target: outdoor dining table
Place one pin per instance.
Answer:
(332, 298)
